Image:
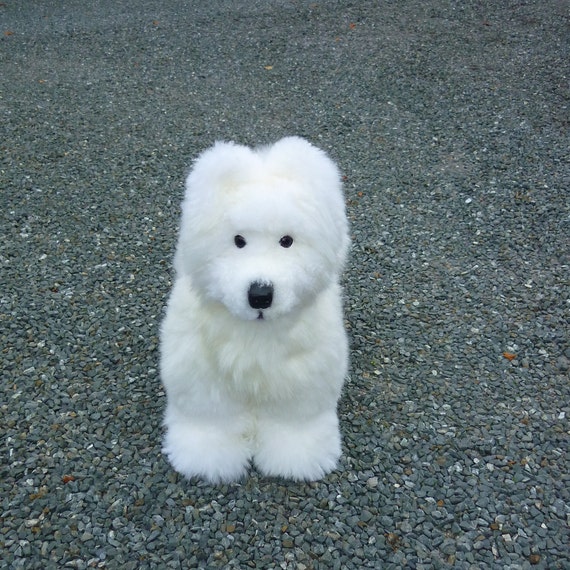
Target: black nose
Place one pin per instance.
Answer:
(260, 295)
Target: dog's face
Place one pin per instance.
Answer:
(263, 232)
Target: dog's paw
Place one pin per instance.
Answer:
(301, 450)
(206, 452)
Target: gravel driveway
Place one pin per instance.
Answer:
(450, 122)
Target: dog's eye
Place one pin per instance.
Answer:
(239, 241)
(286, 241)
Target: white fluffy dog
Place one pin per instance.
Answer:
(253, 347)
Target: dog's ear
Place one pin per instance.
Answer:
(221, 166)
(296, 158)
(214, 173)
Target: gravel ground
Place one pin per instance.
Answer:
(450, 121)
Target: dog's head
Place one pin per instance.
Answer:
(263, 231)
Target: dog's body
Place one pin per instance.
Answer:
(253, 347)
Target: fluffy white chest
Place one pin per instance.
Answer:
(256, 359)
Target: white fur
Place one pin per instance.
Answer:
(240, 387)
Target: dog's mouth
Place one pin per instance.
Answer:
(260, 316)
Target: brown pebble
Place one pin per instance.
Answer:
(534, 558)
